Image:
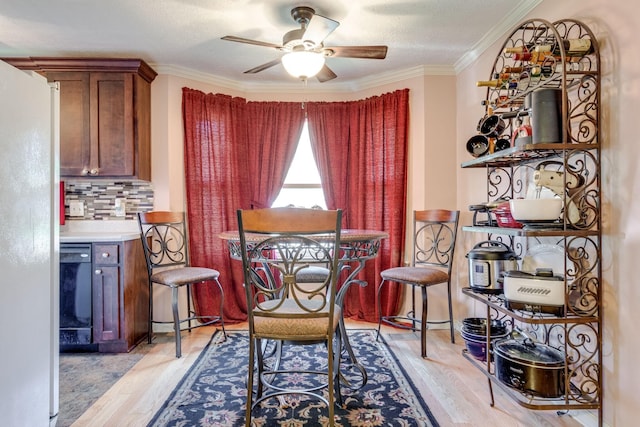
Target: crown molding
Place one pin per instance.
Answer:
(496, 33)
(270, 87)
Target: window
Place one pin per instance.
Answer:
(302, 186)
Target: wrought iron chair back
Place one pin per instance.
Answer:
(434, 234)
(164, 237)
(276, 244)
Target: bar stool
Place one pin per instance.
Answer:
(434, 241)
(165, 242)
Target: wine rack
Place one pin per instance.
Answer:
(575, 156)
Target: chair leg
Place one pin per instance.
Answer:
(176, 320)
(453, 340)
(150, 322)
(224, 332)
(423, 328)
(337, 354)
(413, 313)
(189, 314)
(252, 349)
(379, 308)
(330, 385)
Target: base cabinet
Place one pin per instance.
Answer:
(120, 296)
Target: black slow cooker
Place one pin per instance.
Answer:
(487, 261)
(530, 367)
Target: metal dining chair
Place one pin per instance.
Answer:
(434, 241)
(165, 241)
(284, 242)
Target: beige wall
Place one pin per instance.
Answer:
(432, 142)
(431, 145)
(444, 113)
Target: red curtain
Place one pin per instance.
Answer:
(361, 151)
(216, 185)
(274, 130)
(237, 155)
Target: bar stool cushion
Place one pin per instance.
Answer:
(423, 276)
(312, 274)
(183, 275)
(295, 326)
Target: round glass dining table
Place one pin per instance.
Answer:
(357, 247)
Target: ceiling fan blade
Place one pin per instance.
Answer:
(249, 41)
(263, 67)
(325, 74)
(319, 28)
(370, 52)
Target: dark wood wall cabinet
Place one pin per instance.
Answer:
(120, 295)
(105, 114)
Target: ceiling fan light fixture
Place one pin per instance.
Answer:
(303, 64)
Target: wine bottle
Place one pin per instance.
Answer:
(534, 70)
(572, 47)
(519, 53)
(498, 83)
(516, 49)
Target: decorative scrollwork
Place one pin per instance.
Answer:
(285, 257)
(166, 245)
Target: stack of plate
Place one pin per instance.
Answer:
(474, 333)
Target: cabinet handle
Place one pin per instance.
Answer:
(93, 172)
(105, 254)
(85, 171)
(98, 271)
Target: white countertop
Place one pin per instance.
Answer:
(98, 231)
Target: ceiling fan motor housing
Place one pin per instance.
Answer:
(302, 14)
(293, 41)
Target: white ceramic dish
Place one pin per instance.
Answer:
(548, 209)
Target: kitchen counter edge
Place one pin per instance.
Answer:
(91, 237)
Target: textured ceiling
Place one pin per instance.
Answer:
(439, 35)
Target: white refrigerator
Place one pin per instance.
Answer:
(29, 249)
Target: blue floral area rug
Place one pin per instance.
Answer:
(213, 392)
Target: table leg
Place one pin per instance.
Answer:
(346, 345)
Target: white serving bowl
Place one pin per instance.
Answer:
(547, 209)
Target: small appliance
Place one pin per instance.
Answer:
(487, 261)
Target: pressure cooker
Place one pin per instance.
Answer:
(488, 260)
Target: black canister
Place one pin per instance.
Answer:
(546, 115)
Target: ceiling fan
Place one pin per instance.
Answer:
(304, 47)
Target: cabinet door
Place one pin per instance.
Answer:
(107, 292)
(75, 149)
(112, 119)
(106, 303)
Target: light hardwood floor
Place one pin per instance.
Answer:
(456, 392)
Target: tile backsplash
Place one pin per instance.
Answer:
(99, 198)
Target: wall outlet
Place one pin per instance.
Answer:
(120, 207)
(76, 208)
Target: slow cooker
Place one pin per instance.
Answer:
(487, 261)
(530, 367)
(539, 292)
